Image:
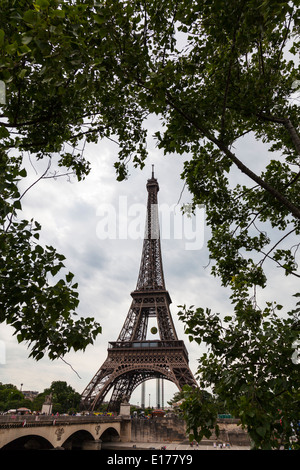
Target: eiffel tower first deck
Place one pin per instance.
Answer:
(131, 360)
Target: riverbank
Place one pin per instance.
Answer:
(118, 446)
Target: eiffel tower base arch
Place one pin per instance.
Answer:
(130, 364)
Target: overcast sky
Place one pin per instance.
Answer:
(73, 216)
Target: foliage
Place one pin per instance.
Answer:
(38, 309)
(11, 398)
(200, 411)
(102, 408)
(64, 397)
(214, 72)
(34, 118)
(56, 66)
(249, 364)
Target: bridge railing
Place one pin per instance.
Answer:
(46, 420)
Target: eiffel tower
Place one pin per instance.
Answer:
(132, 359)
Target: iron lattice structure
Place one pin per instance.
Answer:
(133, 359)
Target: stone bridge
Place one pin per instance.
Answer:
(89, 432)
(67, 432)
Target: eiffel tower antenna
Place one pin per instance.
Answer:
(132, 359)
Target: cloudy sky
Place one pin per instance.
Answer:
(77, 219)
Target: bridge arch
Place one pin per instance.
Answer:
(28, 442)
(110, 435)
(77, 440)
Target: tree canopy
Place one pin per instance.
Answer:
(214, 72)
(37, 118)
(63, 397)
(12, 398)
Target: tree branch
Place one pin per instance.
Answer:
(286, 122)
(243, 168)
(27, 189)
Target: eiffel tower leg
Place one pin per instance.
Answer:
(143, 395)
(123, 389)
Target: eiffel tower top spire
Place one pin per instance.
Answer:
(151, 276)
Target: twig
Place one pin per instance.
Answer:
(70, 366)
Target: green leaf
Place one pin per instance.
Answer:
(58, 13)
(99, 19)
(42, 3)
(69, 277)
(227, 318)
(22, 74)
(17, 205)
(23, 173)
(26, 39)
(24, 50)
(39, 249)
(30, 16)
(2, 35)
(19, 337)
(261, 431)
(4, 133)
